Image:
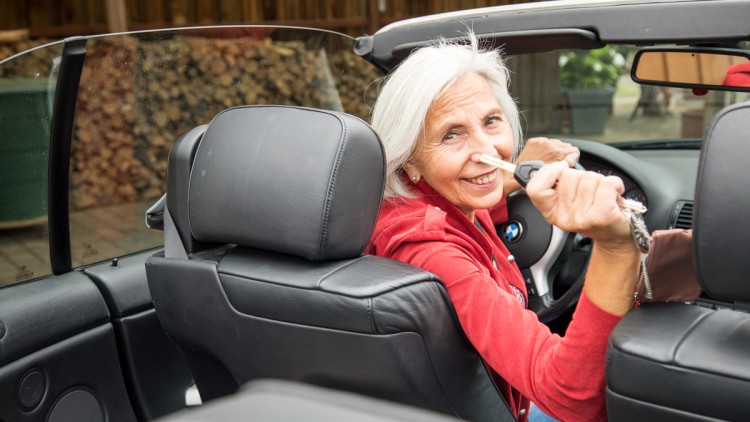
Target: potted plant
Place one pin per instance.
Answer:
(589, 79)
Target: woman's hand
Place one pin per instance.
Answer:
(549, 151)
(586, 202)
(583, 202)
(544, 149)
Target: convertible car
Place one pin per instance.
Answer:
(183, 214)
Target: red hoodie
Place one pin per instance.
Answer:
(563, 376)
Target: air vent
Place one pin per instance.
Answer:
(682, 215)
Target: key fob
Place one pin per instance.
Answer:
(525, 170)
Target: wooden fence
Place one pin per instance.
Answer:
(62, 18)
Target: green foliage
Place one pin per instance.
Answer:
(591, 68)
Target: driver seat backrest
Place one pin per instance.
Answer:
(268, 211)
(691, 362)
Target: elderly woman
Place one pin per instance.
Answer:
(443, 108)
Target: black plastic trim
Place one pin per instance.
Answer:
(525, 41)
(61, 134)
(695, 22)
(123, 286)
(155, 372)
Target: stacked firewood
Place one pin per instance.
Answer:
(104, 166)
(137, 97)
(34, 59)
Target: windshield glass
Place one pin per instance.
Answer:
(590, 95)
(138, 93)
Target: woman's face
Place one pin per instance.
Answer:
(465, 122)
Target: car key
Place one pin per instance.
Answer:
(633, 210)
(524, 171)
(521, 172)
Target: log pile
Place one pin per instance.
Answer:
(35, 59)
(104, 166)
(137, 97)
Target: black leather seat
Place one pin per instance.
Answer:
(287, 401)
(691, 362)
(268, 211)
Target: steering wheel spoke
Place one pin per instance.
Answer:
(553, 261)
(541, 269)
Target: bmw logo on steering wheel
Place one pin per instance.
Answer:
(512, 231)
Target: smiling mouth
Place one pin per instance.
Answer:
(483, 180)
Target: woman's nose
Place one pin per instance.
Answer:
(484, 143)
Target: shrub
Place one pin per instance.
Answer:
(591, 68)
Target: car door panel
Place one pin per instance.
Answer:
(43, 312)
(58, 355)
(69, 380)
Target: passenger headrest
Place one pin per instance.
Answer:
(288, 179)
(721, 223)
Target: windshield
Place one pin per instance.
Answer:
(590, 95)
(138, 93)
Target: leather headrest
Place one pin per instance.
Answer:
(288, 179)
(721, 224)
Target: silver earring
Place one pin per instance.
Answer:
(414, 178)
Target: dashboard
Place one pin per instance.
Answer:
(632, 189)
(662, 179)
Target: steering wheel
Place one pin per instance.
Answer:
(552, 261)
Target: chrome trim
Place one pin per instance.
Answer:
(540, 270)
(192, 396)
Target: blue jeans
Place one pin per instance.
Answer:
(536, 415)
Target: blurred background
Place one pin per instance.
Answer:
(26, 23)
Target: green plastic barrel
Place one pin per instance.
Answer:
(24, 140)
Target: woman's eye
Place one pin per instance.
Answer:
(449, 136)
(493, 120)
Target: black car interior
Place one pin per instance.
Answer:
(268, 211)
(690, 362)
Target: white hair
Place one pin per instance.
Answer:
(401, 109)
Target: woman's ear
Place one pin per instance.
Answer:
(412, 172)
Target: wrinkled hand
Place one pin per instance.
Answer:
(544, 149)
(549, 151)
(584, 202)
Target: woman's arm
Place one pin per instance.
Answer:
(586, 203)
(611, 278)
(564, 376)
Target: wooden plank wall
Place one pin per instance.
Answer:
(54, 17)
(61, 18)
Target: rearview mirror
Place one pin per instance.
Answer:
(705, 68)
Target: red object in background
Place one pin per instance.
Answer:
(700, 91)
(738, 75)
